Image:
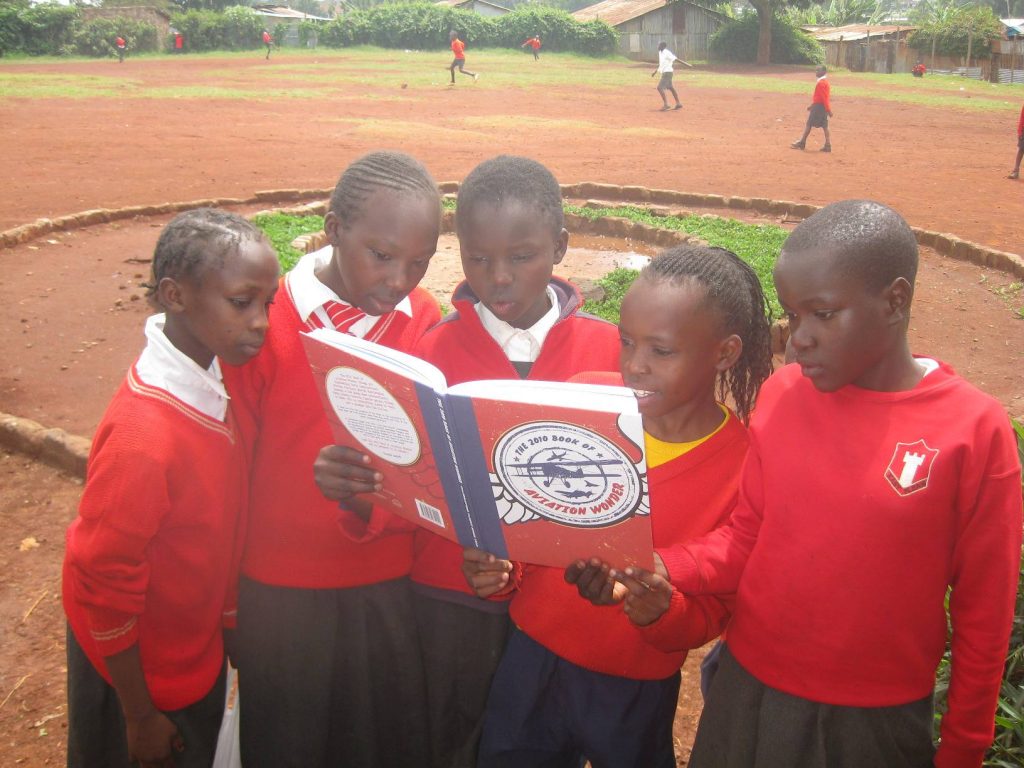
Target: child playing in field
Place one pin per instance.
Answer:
(1015, 173)
(665, 61)
(511, 320)
(580, 681)
(534, 43)
(151, 558)
(268, 41)
(121, 46)
(328, 653)
(819, 111)
(459, 62)
(876, 481)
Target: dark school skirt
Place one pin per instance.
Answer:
(666, 81)
(818, 117)
(96, 730)
(746, 724)
(330, 678)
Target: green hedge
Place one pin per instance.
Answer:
(46, 29)
(737, 41)
(421, 26)
(235, 29)
(96, 37)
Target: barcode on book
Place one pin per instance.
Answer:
(429, 513)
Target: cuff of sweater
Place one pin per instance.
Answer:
(955, 756)
(665, 634)
(359, 530)
(113, 633)
(682, 569)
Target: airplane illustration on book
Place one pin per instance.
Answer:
(549, 471)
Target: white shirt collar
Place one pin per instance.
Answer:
(166, 367)
(823, 77)
(309, 294)
(520, 345)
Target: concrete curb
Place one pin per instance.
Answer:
(55, 447)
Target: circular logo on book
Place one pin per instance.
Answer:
(568, 474)
(372, 415)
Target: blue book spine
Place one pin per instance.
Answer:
(478, 493)
(443, 444)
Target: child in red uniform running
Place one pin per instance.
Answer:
(534, 43)
(327, 642)
(268, 41)
(151, 559)
(1015, 173)
(580, 681)
(876, 481)
(459, 52)
(511, 320)
(820, 111)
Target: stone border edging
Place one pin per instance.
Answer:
(70, 452)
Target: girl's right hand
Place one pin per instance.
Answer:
(341, 472)
(594, 582)
(485, 573)
(152, 739)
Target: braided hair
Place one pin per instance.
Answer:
(733, 292)
(195, 241)
(395, 171)
(507, 178)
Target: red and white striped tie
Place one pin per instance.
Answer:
(343, 316)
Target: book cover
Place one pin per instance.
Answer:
(541, 472)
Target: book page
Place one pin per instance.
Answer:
(590, 397)
(389, 359)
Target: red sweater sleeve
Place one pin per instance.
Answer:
(1020, 123)
(119, 515)
(689, 622)
(985, 568)
(822, 94)
(713, 564)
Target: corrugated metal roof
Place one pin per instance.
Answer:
(459, 3)
(855, 31)
(284, 12)
(615, 12)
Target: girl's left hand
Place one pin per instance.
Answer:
(648, 595)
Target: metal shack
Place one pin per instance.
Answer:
(642, 24)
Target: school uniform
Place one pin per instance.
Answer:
(152, 556)
(327, 643)
(821, 106)
(846, 561)
(463, 636)
(579, 681)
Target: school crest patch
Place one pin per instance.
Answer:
(910, 467)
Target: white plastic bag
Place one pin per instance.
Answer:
(228, 754)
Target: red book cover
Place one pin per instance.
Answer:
(542, 472)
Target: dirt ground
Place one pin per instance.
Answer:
(71, 308)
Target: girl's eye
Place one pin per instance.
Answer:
(625, 342)
(378, 255)
(521, 257)
(241, 303)
(662, 352)
(824, 314)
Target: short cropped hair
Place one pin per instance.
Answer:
(870, 241)
(506, 179)
(196, 241)
(395, 171)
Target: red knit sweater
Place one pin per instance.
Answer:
(822, 92)
(150, 558)
(293, 536)
(1020, 123)
(464, 351)
(690, 496)
(856, 510)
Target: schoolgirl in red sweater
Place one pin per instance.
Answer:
(877, 482)
(151, 559)
(328, 654)
(580, 681)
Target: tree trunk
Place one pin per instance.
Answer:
(932, 65)
(764, 33)
(970, 45)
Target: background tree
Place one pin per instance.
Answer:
(767, 10)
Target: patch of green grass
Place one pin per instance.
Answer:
(756, 244)
(615, 285)
(282, 228)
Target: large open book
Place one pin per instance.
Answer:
(541, 472)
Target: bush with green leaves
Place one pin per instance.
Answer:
(425, 26)
(954, 33)
(45, 29)
(97, 37)
(737, 41)
(237, 28)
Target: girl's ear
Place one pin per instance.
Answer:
(561, 246)
(332, 225)
(898, 295)
(729, 351)
(170, 295)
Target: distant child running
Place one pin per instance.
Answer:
(601, 683)
(459, 62)
(919, 69)
(665, 61)
(1015, 173)
(151, 561)
(268, 41)
(122, 47)
(328, 652)
(877, 482)
(820, 111)
(534, 43)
